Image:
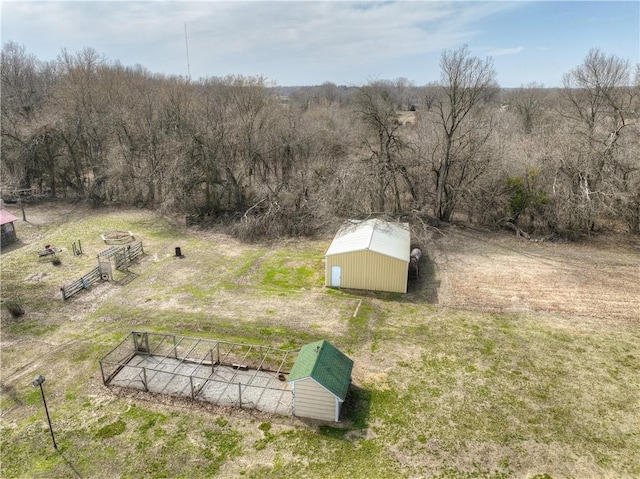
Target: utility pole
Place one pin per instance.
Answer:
(186, 42)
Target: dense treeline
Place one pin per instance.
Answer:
(541, 160)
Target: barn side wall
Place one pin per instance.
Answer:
(313, 401)
(369, 270)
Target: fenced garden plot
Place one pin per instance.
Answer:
(224, 373)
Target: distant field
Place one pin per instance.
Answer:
(507, 359)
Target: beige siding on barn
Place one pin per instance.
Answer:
(369, 270)
(313, 401)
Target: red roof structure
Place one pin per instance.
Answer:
(6, 217)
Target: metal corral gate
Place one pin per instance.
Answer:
(119, 257)
(220, 372)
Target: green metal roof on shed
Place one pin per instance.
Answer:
(325, 364)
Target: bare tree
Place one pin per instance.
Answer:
(24, 91)
(404, 91)
(598, 103)
(383, 145)
(82, 108)
(527, 103)
(467, 83)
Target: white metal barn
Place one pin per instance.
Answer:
(371, 255)
(320, 380)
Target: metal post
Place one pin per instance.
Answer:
(39, 379)
(240, 394)
(144, 374)
(46, 409)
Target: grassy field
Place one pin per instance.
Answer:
(507, 359)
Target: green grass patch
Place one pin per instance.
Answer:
(292, 271)
(110, 430)
(30, 327)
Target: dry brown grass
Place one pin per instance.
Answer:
(501, 273)
(508, 359)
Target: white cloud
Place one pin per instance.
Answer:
(281, 39)
(498, 52)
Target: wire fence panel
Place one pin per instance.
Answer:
(229, 374)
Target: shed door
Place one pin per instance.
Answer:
(335, 276)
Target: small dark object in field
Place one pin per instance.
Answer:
(14, 308)
(48, 250)
(56, 262)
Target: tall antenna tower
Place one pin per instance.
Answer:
(186, 42)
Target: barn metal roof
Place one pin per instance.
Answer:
(6, 217)
(325, 364)
(390, 239)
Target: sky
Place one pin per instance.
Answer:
(293, 43)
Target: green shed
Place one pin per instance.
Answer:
(320, 380)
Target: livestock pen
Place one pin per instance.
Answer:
(220, 372)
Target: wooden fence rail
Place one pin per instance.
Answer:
(122, 257)
(133, 251)
(85, 282)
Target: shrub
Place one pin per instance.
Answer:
(273, 224)
(14, 308)
(525, 198)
